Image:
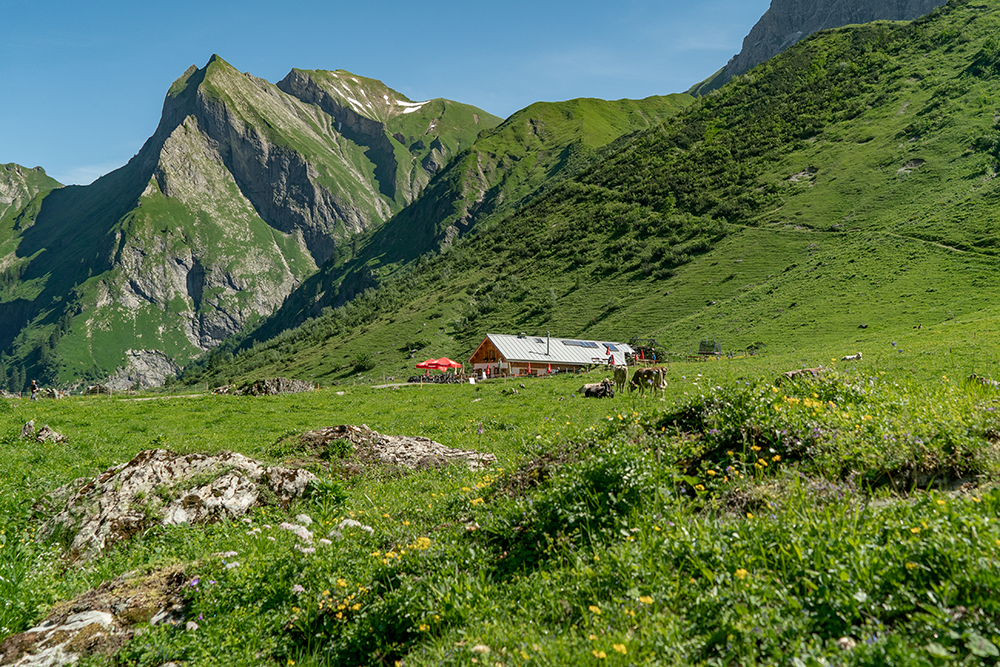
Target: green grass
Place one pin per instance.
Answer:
(730, 522)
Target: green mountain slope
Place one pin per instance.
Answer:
(849, 181)
(507, 167)
(241, 191)
(18, 185)
(788, 21)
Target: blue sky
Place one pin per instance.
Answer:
(83, 85)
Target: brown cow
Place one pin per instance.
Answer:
(603, 389)
(648, 378)
(621, 377)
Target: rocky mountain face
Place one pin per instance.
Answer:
(18, 185)
(243, 190)
(788, 21)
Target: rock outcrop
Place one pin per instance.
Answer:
(99, 622)
(788, 21)
(159, 486)
(360, 444)
(18, 185)
(143, 369)
(273, 387)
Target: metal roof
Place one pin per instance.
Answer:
(557, 350)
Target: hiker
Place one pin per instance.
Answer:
(34, 390)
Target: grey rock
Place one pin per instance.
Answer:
(97, 623)
(142, 369)
(273, 387)
(28, 430)
(159, 486)
(412, 452)
(46, 434)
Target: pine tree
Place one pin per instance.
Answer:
(19, 379)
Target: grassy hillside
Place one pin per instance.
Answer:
(849, 519)
(847, 182)
(528, 155)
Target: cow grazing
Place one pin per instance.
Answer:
(648, 378)
(852, 357)
(986, 382)
(621, 377)
(603, 389)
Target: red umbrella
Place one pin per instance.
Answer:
(430, 363)
(445, 362)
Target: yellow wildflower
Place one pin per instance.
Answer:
(741, 573)
(645, 599)
(620, 648)
(594, 609)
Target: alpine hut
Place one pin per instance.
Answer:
(505, 354)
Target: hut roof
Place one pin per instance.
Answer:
(548, 350)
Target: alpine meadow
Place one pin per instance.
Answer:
(251, 480)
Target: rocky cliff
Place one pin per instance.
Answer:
(19, 184)
(788, 21)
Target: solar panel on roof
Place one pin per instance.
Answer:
(580, 343)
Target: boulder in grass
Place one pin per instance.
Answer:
(99, 622)
(799, 374)
(163, 487)
(46, 434)
(273, 387)
(360, 444)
